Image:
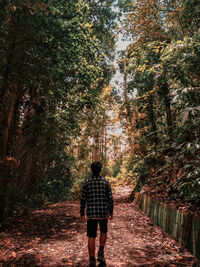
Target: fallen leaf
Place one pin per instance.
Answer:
(180, 258)
(14, 254)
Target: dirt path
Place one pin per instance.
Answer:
(56, 237)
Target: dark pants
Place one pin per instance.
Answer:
(92, 225)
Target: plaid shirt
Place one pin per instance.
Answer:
(96, 192)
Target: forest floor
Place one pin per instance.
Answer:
(55, 236)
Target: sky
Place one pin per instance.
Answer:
(117, 79)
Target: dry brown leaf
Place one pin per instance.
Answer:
(14, 254)
(180, 258)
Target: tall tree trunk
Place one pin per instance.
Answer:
(168, 111)
(133, 126)
(168, 114)
(7, 105)
(4, 175)
(164, 90)
(6, 113)
(130, 115)
(105, 147)
(95, 156)
(152, 120)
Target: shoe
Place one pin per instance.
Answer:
(101, 258)
(92, 263)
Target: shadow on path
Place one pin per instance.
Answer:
(55, 236)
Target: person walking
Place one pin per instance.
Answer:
(97, 197)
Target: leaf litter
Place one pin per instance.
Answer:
(55, 236)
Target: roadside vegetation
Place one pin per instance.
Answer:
(59, 110)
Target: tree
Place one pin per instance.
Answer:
(163, 66)
(50, 65)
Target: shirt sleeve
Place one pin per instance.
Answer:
(83, 200)
(110, 200)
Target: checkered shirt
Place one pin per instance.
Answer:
(97, 194)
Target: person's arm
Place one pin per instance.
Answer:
(83, 202)
(110, 202)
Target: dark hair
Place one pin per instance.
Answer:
(96, 167)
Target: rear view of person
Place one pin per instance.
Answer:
(97, 196)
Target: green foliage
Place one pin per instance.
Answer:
(16, 201)
(127, 173)
(57, 183)
(164, 71)
(54, 61)
(116, 168)
(80, 173)
(181, 59)
(54, 188)
(179, 25)
(19, 203)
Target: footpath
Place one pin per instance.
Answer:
(55, 236)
